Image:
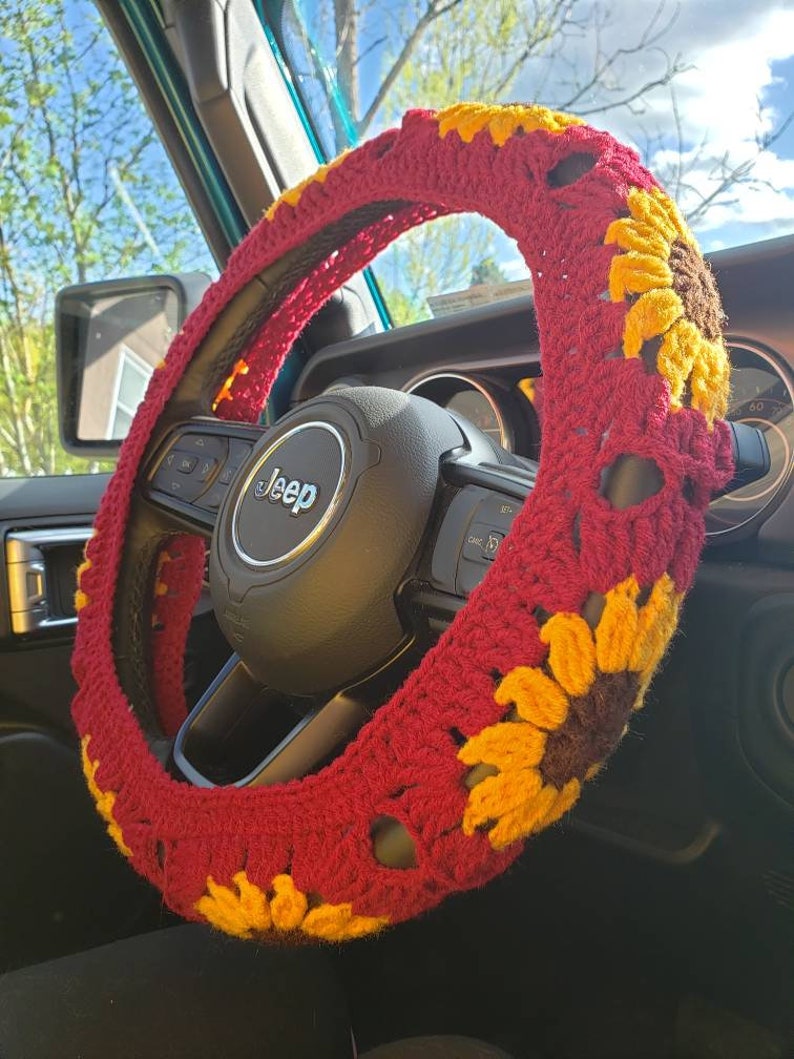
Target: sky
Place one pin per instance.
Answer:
(733, 91)
(738, 86)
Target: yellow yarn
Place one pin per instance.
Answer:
(245, 911)
(531, 816)
(496, 796)
(80, 598)
(631, 234)
(572, 656)
(537, 697)
(225, 392)
(652, 315)
(656, 210)
(516, 802)
(617, 628)
(467, 119)
(656, 623)
(337, 923)
(564, 800)
(677, 355)
(510, 745)
(636, 273)
(710, 380)
(292, 195)
(647, 237)
(288, 906)
(104, 800)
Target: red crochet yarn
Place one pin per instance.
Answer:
(567, 543)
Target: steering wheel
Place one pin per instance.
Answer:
(369, 532)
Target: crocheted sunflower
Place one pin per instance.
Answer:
(674, 299)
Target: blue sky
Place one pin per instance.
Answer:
(735, 87)
(739, 86)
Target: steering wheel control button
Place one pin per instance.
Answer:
(185, 464)
(177, 484)
(206, 468)
(482, 543)
(202, 445)
(492, 544)
(290, 494)
(498, 511)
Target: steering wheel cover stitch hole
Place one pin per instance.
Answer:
(296, 860)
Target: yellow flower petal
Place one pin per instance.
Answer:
(710, 380)
(337, 923)
(497, 796)
(635, 273)
(677, 355)
(467, 119)
(616, 631)
(524, 820)
(566, 798)
(221, 908)
(572, 656)
(629, 234)
(292, 196)
(659, 211)
(656, 624)
(651, 315)
(537, 698)
(80, 598)
(104, 800)
(509, 746)
(289, 905)
(253, 902)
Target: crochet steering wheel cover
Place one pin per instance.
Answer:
(523, 682)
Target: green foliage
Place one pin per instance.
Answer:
(487, 271)
(86, 192)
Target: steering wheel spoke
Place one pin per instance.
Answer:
(242, 733)
(487, 496)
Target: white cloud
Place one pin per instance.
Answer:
(722, 99)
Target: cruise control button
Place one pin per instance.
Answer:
(498, 511)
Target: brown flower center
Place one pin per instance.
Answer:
(694, 284)
(592, 730)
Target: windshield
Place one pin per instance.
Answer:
(703, 89)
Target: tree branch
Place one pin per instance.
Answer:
(432, 12)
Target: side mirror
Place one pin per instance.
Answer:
(109, 338)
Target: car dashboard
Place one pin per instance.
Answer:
(714, 750)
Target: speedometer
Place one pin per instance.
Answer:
(470, 398)
(761, 395)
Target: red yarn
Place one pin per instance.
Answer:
(596, 406)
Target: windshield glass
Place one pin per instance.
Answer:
(703, 89)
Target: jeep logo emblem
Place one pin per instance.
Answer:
(296, 495)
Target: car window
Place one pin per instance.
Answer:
(703, 89)
(87, 192)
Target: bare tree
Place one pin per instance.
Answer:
(85, 193)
